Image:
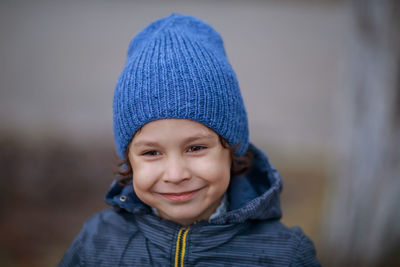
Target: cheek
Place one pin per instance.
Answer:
(144, 175)
(214, 169)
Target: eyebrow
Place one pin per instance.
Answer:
(185, 140)
(197, 137)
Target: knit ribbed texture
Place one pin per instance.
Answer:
(177, 68)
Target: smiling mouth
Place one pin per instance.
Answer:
(177, 197)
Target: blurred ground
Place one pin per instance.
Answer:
(48, 190)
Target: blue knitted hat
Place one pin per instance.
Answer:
(177, 68)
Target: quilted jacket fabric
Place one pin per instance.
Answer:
(248, 234)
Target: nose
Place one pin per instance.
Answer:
(176, 170)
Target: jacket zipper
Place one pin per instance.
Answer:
(181, 246)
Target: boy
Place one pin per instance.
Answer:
(193, 190)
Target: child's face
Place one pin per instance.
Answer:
(180, 168)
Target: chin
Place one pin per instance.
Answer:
(181, 215)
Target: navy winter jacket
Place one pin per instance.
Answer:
(248, 234)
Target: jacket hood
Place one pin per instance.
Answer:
(252, 196)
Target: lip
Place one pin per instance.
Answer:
(180, 197)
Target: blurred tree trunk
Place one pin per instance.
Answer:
(363, 222)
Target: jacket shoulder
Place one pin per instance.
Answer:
(289, 245)
(102, 237)
(305, 254)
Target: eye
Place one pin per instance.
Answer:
(151, 153)
(196, 148)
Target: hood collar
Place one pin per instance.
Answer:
(252, 196)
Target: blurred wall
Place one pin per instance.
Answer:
(61, 59)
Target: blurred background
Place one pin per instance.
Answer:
(320, 79)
